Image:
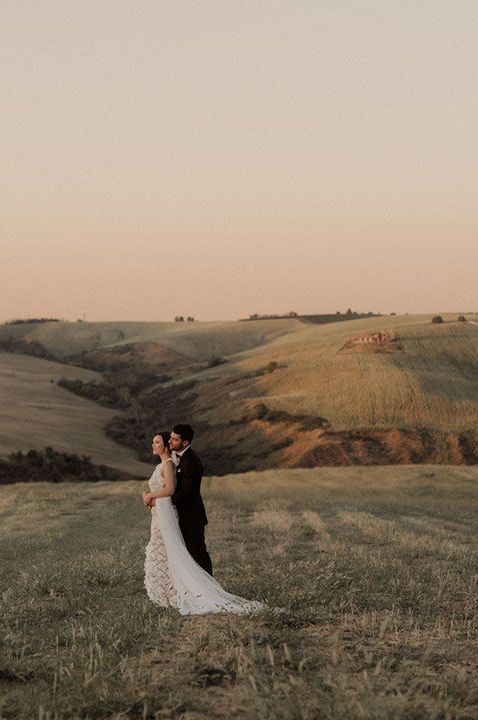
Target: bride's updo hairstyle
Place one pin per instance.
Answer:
(165, 435)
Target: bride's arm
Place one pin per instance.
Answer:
(169, 483)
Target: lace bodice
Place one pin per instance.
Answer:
(156, 481)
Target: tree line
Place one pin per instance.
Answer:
(24, 321)
(50, 465)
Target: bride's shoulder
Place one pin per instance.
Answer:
(165, 463)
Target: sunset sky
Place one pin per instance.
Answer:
(218, 158)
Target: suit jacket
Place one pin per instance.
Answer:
(187, 496)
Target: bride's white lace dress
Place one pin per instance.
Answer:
(172, 577)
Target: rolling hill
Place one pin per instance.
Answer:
(36, 413)
(286, 393)
(325, 406)
(198, 340)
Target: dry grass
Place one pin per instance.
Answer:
(198, 340)
(376, 567)
(428, 389)
(35, 413)
(430, 383)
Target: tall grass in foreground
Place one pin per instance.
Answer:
(376, 569)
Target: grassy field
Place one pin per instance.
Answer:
(430, 382)
(35, 413)
(376, 569)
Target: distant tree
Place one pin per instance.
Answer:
(179, 318)
(254, 317)
(190, 319)
(393, 313)
(437, 319)
(461, 318)
(292, 314)
(349, 312)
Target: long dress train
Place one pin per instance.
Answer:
(172, 577)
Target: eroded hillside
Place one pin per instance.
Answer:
(283, 393)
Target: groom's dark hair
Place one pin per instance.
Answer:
(185, 431)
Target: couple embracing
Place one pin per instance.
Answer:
(178, 569)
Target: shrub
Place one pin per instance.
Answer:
(51, 465)
(215, 361)
(461, 318)
(437, 319)
(26, 347)
(257, 412)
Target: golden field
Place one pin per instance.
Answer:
(376, 569)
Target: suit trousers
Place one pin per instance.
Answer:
(194, 538)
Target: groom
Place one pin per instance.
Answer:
(187, 496)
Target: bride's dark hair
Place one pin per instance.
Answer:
(165, 435)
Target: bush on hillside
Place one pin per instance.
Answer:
(461, 318)
(215, 361)
(154, 409)
(103, 394)
(50, 465)
(437, 319)
(265, 369)
(25, 347)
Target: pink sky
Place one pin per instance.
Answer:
(218, 159)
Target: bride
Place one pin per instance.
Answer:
(172, 577)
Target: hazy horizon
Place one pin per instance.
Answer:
(221, 159)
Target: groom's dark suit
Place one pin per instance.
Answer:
(191, 512)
